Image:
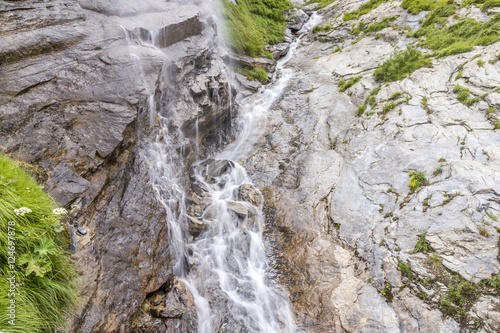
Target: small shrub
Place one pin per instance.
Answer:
(480, 63)
(442, 160)
(417, 180)
(437, 172)
(401, 64)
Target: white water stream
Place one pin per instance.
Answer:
(228, 265)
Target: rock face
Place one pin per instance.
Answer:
(344, 221)
(76, 80)
(88, 87)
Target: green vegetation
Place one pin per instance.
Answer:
(435, 261)
(387, 292)
(396, 95)
(417, 180)
(490, 4)
(486, 4)
(459, 37)
(463, 95)
(422, 244)
(405, 270)
(44, 273)
(374, 27)
(322, 3)
(371, 100)
(254, 23)
(437, 172)
(343, 85)
(388, 107)
(416, 6)
(459, 294)
(401, 64)
(363, 9)
(319, 28)
(254, 74)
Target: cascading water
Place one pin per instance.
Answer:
(227, 266)
(228, 259)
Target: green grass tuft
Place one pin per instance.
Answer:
(463, 95)
(254, 74)
(422, 244)
(44, 272)
(343, 85)
(401, 64)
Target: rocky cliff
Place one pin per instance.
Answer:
(362, 247)
(83, 87)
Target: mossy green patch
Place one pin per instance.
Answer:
(255, 23)
(30, 231)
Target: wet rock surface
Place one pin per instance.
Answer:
(74, 101)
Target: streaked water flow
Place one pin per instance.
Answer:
(227, 263)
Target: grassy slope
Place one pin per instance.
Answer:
(255, 23)
(44, 271)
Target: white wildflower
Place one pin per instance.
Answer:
(59, 211)
(21, 211)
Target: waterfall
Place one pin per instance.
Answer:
(228, 259)
(224, 266)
